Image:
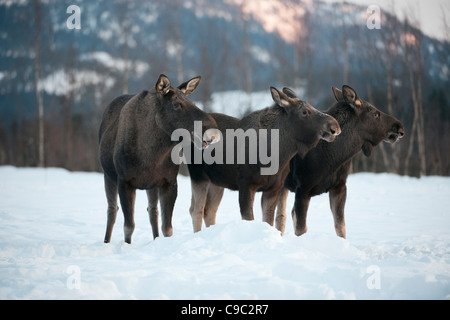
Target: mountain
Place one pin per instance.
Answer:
(223, 39)
(123, 46)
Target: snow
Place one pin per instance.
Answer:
(52, 224)
(118, 64)
(59, 82)
(236, 103)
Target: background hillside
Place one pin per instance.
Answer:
(53, 221)
(236, 46)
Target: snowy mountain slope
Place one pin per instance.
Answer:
(273, 26)
(52, 224)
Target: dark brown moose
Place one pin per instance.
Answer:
(300, 128)
(135, 150)
(325, 168)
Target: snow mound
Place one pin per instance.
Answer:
(52, 223)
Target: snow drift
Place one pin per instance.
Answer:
(52, 224)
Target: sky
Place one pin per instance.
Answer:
(430, 13)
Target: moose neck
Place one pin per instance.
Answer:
(349, 142)
(289, 146)
(153, 123)
(270, 119)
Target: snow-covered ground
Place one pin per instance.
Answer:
(52, 224)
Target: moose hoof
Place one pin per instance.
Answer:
(300, 231)
(341, 233)
(167, 232)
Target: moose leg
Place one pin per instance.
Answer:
(152, 209)
(167, 195)
(198, 202)
(246, 199)
(213, 199)
(338, 195)
(299, 212)
(127, 196)
(280, 220)
(268, 203)
(111, 197)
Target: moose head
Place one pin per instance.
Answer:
(374, 125)
(177, 111)
(308, 124)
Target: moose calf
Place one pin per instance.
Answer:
(299, 126)
(326, 167)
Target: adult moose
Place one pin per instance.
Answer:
(300, 127)
(135, 146)
(325, 168)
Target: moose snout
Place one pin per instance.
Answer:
(336, 130)
(397, 132)
(331, 131)
(211, 136)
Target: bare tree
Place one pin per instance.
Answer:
(214, 54)
(37, 77)
(174, 37)
(303, 50)
(412, 43)
(390, 37)
(445, 8)
(344, 6)
(125, 21)
(247, 65)
(68, 104)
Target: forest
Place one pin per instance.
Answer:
(56, 80)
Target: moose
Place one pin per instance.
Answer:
(326, 167)
(299, 126)
(135, 146)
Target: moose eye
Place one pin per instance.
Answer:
(376, 114)
(177, 106)
(304, 113)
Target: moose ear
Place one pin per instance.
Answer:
(290, 93)
(338, 94)
(189, 86)
(350, 95)
(162, 85)
(280, 98)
